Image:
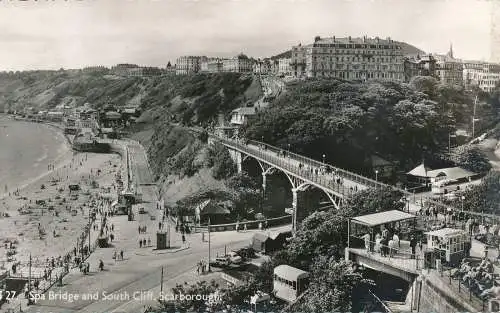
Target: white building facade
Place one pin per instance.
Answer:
(353, 58)
(188, 65)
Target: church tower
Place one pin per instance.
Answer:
(450, 53)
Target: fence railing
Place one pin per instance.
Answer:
(276, 221)
(466, 290)
(397, 256)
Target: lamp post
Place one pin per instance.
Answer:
(288, 150)
(463, 198)
(324, 159)
(376, 175)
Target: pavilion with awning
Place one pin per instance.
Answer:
(450, 174)
(377, 222)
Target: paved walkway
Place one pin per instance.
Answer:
(141, 268)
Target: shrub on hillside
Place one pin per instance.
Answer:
(221, 162)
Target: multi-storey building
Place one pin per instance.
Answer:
(262, 66)
(215, 66)
(239, 64)
(449, 70)
(211, 65)
(417, 65)
(484, 75)
(188, 65)
(298, 60)
(123, 69)
(95, 69)
(284, 66)
(355, 58)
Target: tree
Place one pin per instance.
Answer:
(470, 158)
(484, 197)
(331, 287)
(221, 162)
(425, 84)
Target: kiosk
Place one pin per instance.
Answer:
(450, 244)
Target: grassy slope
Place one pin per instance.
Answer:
(173, 151)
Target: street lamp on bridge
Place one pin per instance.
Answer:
(288, 150)
(324, 159)
(376, 175)
(463, 198)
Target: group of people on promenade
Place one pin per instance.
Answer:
(480, 279)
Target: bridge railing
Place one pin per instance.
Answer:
(311, 162)
(311, 173)
(356, 178)
(395, 255)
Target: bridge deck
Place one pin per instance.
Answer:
(399, 261)
(305, 168)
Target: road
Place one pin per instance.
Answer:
(140, 270)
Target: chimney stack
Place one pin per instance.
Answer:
(333, 38)
(349, 38)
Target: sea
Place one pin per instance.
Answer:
(26, 150)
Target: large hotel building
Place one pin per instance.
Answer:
(349, 58)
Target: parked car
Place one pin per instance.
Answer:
(220, 262)
(234, 257)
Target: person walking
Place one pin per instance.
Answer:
(121, 255)
(140, 243)
(413, 245)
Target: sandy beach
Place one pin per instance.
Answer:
(62, 214)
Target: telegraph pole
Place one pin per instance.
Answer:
(474, 118)
(208, 244)
(161, 282)
(29, 283)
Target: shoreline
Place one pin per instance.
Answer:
(60, 161)
(72, 214)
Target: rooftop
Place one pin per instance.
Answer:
(375, 219)
(289, 273)
(356, 40)
(445, 232)
(245, 111)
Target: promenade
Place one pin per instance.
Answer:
(140, 270)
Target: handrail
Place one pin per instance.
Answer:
(305, 172)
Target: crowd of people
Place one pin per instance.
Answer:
(480, 279)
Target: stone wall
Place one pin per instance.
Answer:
(433, 295)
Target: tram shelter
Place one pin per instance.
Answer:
(393, 221)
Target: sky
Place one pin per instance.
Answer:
(50, 34)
